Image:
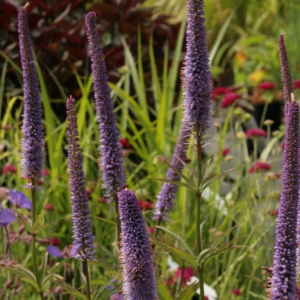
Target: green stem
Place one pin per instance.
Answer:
(198, 196)
(118, 223)
(86, 273)
(8, 241)
(264, 114)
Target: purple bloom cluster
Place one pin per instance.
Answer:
(83, 237)
(287, 83)
(19, 200)
(165, 203)
(112, 162)
(139, 282)
(7, 216)
(196, 75)
(32, 143)
(284, 282)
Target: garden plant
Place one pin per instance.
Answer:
(162, 183)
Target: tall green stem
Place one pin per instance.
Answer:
(118, 223)
(87, 278)
(198, 219)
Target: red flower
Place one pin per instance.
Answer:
(221, 91)
(225, 152)
(282, 146)
(206, 298)
(187, 160)
(54, 241)
(255, 132)
(150, 229)
(297, 84)
(260, 166)
(266, 85)
(188, 273)
(125, 144)
(9, 168)
(273, 213)
(144, 205)
(48, 207)
(45, 172)
(236, 292)
(229, 98)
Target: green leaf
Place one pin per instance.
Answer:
(43, 225)
(163, 290)
(179, 239)
(78, 295)
(26, 223)
(32, 282)
(174, 182)
(177, 172)
(58, 265)
(258, 296)
(190, 291)
(104, 264)
(177, 252)
(208, 180)
(204, 253)
(105, 220)
(104, 286)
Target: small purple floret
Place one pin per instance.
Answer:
(284, 273)
(196, 74)
(54, 251)
(167, 194)
(19, 200)
(7, 216)
(32, 143)
(83, 237)
(112, 162)
(139, 282)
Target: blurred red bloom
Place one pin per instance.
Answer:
(125, 144)
(225, 151)
(229, 98)
(206, 298)
(187, 160)
(282, 146)
(221, 91)
(273, 212)
(45, 172)
(236, 292)
(297, 84)
(188, 273)
(9, 168)
(150, 229)
(266, 85)
(260, 166)
(255, 132)
(54, 241)
(144, 205)
(48, 207)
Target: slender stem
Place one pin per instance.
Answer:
(86, 273)
(198, 219)
(264, 114)
(8, 242)
(118, 223)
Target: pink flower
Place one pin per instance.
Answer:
(9, 168)
(144, 205)
(221, 91)
(229, 98)
(225, 152)
(266, 85)
(273, 213)
(236, 292)
(54, 241)
(48, 206)
(45, 172)
(259, 166)
(255, 132)
(297, 84)
(188, 273)
(125, 144)
(150, 229)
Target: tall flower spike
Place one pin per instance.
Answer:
(167, 194)
(32, 143)
(112, 162)
(83, 237)
(196, 74)
(287, 83)
(284, 277)
(139, 282)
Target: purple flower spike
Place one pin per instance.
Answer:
(83, 237)
(7, 216)
(284, 277)
(19, 200)
(32, 143)
(112, 162)
(287, 83)
(196, 74)
(167, 194)
(139, 282)
(54, 251)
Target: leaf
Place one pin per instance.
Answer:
(58, 265)
(104, 286)
(177, 171)
(163, 290)
(78, 295)
(179, 239)
(177, 252)
(104, 264)
(208, 180)
(174, 182)
(190, 291)
(105, 220)
(43, 226)
(22, 219)
(32, 282)
(258, 296)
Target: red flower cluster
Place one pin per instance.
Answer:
(255, 132)
(225, 152)
(259, 166)
(9, 168)
(266, 85)
(54, 241)
(125, 144)
(236, 292)
(188, 273)
(221, 91)
(297, 84)
(229, 98)
(144, 205)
